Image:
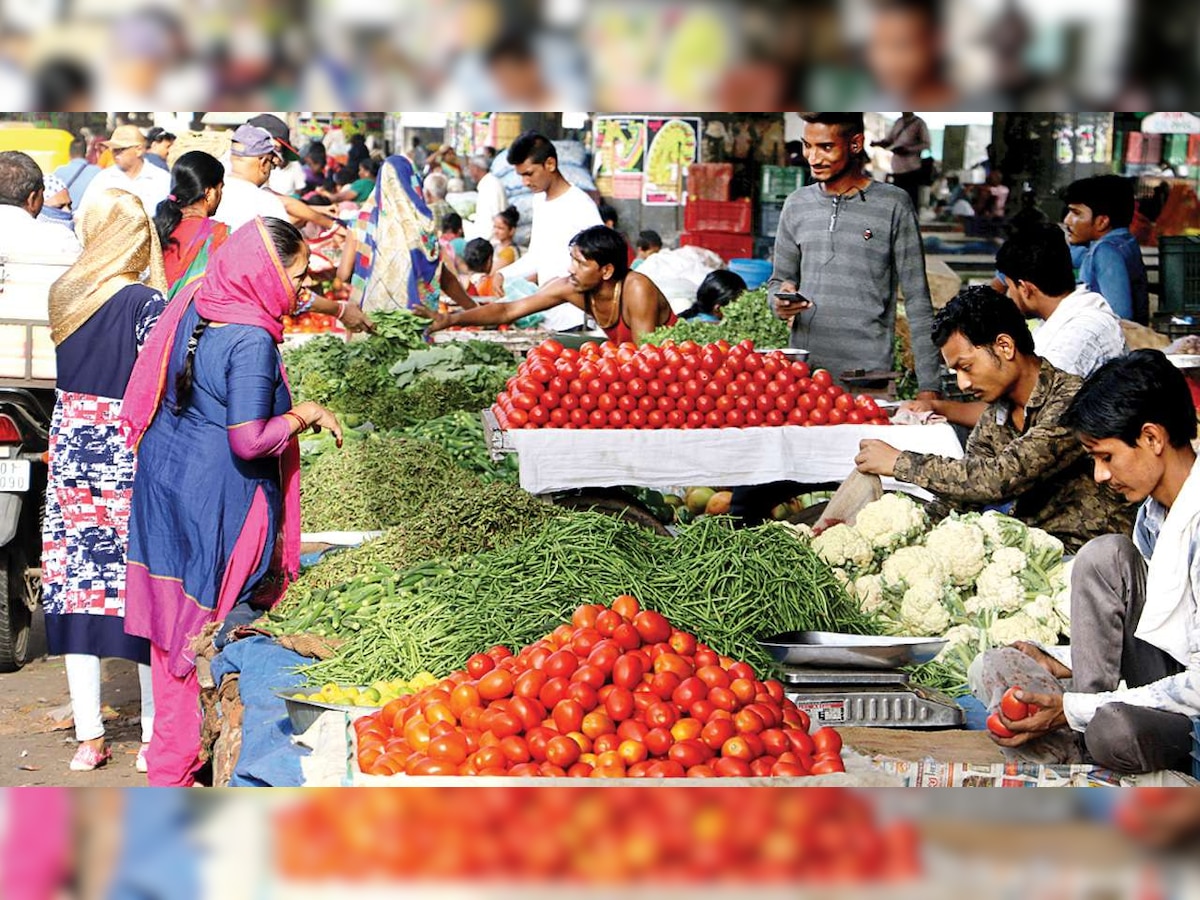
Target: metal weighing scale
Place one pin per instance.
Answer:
(852, 679)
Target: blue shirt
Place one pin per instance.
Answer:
(1112, 267)
(77, 175)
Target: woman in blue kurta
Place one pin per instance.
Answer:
(100, 315)
(216, 501)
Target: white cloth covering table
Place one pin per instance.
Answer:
(557, 459)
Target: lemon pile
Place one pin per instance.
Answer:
(377, 694)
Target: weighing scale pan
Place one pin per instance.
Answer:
(833, 650)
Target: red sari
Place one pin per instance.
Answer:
(186, 254)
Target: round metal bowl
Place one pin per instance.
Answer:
(832, 650)
(791, 353)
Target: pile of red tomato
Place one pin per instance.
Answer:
(615, 693)
(674, 386)
(310, 323)
(589, 836)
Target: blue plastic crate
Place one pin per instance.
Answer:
(753, 271)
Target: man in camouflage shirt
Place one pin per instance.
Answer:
(1018, 454)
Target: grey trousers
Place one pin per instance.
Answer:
(1108, 591)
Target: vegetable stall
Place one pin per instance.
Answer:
(479, 630)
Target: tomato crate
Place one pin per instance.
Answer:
(778, 182)
(733, 216)
(727, 246)
(709, 181)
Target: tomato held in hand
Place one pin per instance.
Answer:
(1014, 710)
(996, 727)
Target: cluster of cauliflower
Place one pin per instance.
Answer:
(980, 580)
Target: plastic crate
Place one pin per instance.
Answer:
(725, 245)
(1178, 274)
(768, 219)
(731, 217)
(754, 272)
(709, 181)
(1176, 325)
(1196, 748)
(950, 389)
(778, 182)
(764, 247)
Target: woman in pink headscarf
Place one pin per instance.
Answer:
(214, 531)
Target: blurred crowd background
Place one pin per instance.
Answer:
(614, 55)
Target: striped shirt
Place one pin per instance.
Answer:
(848, 255)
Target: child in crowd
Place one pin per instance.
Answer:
(452, 241)
(719, 288)
(504, 227)
(648, 243)
(482, 282)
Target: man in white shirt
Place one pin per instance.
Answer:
(22, 235)
(560, 211)
(490, 198)
(1134, 678)
(130, 171)
(252, 157)
(1079, 331)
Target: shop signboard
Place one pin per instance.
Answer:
(674, 145)
(1171, 123)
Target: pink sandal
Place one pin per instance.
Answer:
(88, 758)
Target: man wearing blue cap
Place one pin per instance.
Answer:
(252, 158)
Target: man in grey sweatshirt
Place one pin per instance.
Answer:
(845, 243)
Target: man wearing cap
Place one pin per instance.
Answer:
(296, 208)
(129, 171)
(252, 158)
(158, 145)
(57, 206)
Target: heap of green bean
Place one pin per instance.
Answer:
(727, 587)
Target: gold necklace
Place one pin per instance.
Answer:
(616, 301)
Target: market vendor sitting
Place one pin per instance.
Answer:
(1018, 454)
(627, 305)
(1134, 614)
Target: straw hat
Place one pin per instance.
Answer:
(125, 136)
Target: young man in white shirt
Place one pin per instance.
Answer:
(560, 211)
(252, 158)
(1134, 615)
(130, 171)
(22, 234)
(1079, 331)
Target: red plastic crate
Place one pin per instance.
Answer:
(709, 181)
(727, 246)
(731, 217)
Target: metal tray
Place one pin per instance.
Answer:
(830, 649)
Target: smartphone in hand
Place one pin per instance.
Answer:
(793, 297)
